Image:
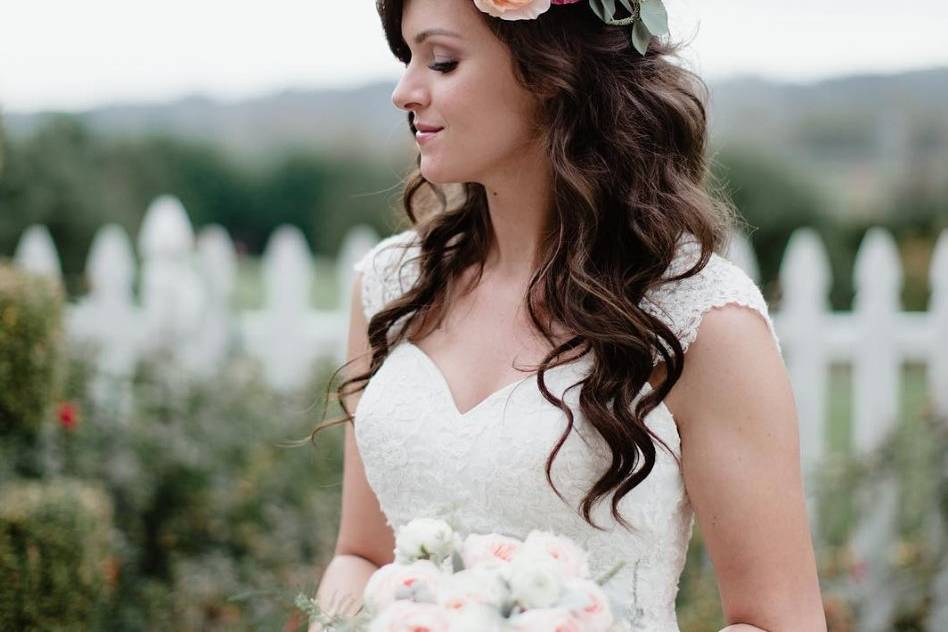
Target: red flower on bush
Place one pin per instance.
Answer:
(68, 415)
(859, 570)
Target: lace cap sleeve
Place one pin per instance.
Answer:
(384, 277)
(682, 304)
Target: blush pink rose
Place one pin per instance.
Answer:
(409, 616)
(588, 603)
(491, 547)
(572, 560)
(382, 589)
(513, 9)
(546, 620)
(476, 618)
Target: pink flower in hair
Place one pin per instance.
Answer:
(513, 9)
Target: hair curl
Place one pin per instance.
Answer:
(601, 104)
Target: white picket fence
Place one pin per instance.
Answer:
(185, 308)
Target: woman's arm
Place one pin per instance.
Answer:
(341, 586)
(365, 541)
(741, 463)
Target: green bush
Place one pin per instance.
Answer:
(30, 348)
(54, 554)
(208, 504)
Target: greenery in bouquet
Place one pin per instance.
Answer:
(484, 582)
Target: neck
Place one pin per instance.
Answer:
(519, 204)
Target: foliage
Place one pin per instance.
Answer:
(2, 135)
(212, 509)
(55, 567)
(30, 348)
(774, 202)
(211, 504)
(75, 181)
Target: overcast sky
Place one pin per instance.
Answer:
(73, 55)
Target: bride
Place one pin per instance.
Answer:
(555, 342)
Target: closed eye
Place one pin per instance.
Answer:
(444, 66)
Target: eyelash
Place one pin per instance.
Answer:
(444, 66)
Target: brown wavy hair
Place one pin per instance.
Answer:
(614, 230)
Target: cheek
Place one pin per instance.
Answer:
(486, 111)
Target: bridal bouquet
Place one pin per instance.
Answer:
(440, 582)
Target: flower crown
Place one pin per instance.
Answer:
(647, 18)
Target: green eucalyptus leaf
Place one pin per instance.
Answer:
(600, 10)
(610, 6)
(641, 37)
(655, 16)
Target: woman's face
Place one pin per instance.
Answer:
(464, 84)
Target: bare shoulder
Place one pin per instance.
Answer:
(733, 363)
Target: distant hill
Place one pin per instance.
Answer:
(855, 134)
(355, 121)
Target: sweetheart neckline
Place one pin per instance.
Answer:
(450, 395)
(491, 396)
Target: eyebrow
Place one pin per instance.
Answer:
(425, 34)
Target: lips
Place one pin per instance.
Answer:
(422, 127)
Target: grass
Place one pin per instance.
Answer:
(249, 292)
(837, 512)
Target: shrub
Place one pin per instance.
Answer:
(30, 343)
(208, 504)
(54, 554)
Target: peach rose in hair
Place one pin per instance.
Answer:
(513, 9)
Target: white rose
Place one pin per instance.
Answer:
(425, 539)
(589, 603)
(535, 581)
(481, 585)
(418, 581)
(572, 560)
(475, 618)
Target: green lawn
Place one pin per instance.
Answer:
(249, 291)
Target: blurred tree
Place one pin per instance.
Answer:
(1, 143)
(775, 200)
(292, 191)
(359, 193)
(66, 177)
(50, 180)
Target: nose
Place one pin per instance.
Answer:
(409, 94)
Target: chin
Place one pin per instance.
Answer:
(434, 174)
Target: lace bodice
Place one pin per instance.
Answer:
(484, 470)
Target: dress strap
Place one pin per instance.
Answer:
(388, 270)
(682, 304)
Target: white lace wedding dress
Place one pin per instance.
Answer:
(483, 470)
